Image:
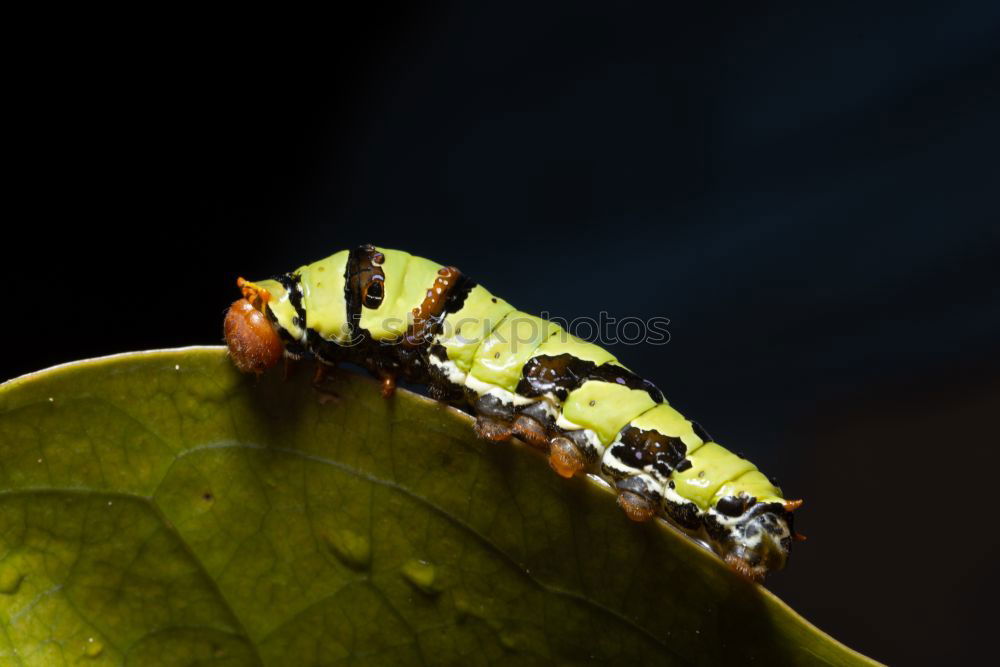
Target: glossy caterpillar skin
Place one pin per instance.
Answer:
(402, 316)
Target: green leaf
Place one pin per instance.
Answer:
(161, 508)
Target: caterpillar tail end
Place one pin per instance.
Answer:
(760, 541)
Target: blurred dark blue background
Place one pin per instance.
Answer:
(809, 194)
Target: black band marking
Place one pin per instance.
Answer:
(651, 447)
(361, 275)
(564, 373)
(291, 283)
(458, 294)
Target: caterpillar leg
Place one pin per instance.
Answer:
(636, 507)
(388, 385)
(493, 430)
(320, 375)
(530, 431)
(636, 498)
(525, 428)
(743, 568)
(564, 457)
(320, 384)
(291, 364)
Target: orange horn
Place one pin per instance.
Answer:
(257, 296)
(792, 505)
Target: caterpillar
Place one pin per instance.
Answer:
(406, 317)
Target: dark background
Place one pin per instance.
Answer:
(809, 194)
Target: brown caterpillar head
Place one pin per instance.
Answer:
(755, 542)
(254, 344)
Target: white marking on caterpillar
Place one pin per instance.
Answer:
(611, 462)
(450, 370)
(499, 393)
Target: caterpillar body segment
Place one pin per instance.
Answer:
(403, 316)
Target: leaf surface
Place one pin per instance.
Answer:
(161, 508)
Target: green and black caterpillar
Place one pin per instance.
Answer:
(406, 317)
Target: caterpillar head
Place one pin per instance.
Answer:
(254, 344)
(758, 540)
